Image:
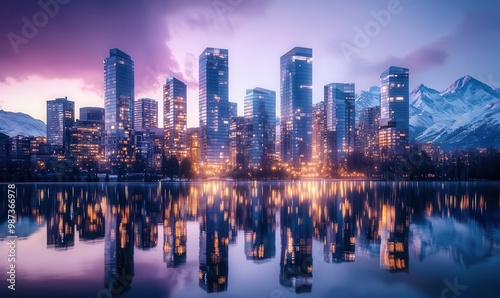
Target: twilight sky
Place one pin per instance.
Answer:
(352, 41)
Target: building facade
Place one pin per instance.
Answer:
(175, 117)
(394, 111)
(119, 107)
(340, 120)
(214, 106)
(367, 134)
(296, 105)
(260, 116)
(145, 113)
(60, 117)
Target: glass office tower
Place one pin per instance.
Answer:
(394, 110)
(119, 107)
(214, 106)
(145, 113)
(260, 116)
(60, 117)
(340, 120)
(175, 117)
(296, 105)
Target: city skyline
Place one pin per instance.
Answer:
(436, 56)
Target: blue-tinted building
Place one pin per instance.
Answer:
(60, 117)
(119, 107)
(296, 105)
(260, 115)
(175, 117)
(394, 110)
(145, 113)
(340, 120)
(214, 106)
(92, 114)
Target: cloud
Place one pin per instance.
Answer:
(72, 40)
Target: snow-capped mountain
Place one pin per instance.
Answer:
(13, 124)
(464, 115)
(367, 99)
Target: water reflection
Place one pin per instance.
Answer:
(349, 221)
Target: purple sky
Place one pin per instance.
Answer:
(439, 41)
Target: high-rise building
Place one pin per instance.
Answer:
(260, 115)
(145, 113)
(119, 106)
(214, 106)
(4, 151)
(367, 134)
(92, 114)
(193, 144)
(86, 144)
(394, 110)
(237, 140)
(60, 117)
(340, 120)
(319, 133)
(296, 105)
(149, 146)
(233, 110)
(175, 117)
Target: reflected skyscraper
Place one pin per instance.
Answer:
(296, 262)
(214, 240)
(118, 243)
(394, 230)
(214, 106)
(60, 220)
(394, 110)
(174, 231)
(260, 233)
(296, 105)
(91, 220)
(339, 239)
(119, 107)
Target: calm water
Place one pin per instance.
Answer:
(288, 239)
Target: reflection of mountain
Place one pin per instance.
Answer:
(296, 244)
(214, 240)
(436, 235)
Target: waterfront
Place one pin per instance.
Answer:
(247, 239)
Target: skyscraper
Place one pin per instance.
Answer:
(260, 115)
(145, 113)
(214, 106)
(394, 110)
(367, 134)
(92, 114)
(296, 105)
(340, 120)
(60, 117)
(319, 133)
(119, 106)
(175, 117)
(233, 110)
